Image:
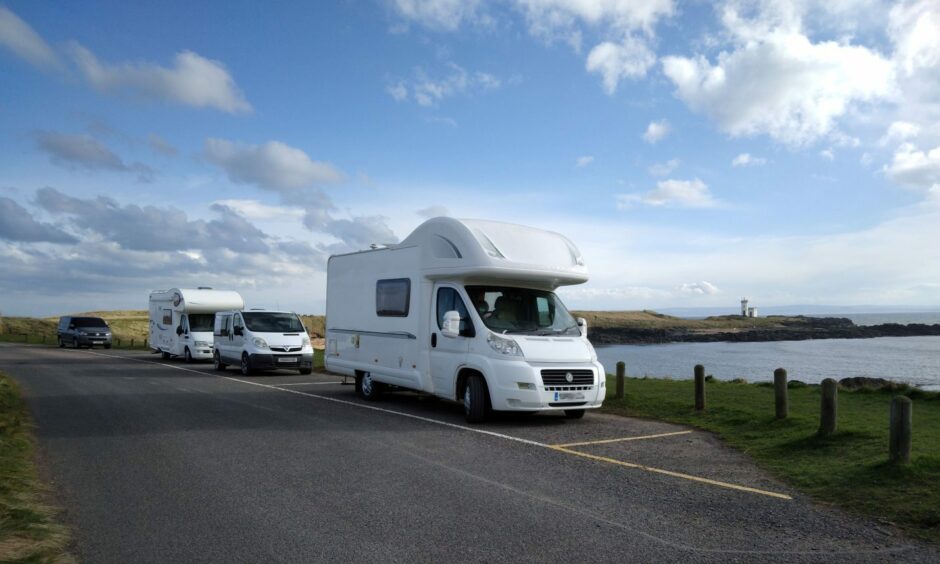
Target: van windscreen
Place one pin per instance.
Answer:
(199, 322)
(88, 322)
(269, 322)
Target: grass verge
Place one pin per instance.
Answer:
(849, 469)
(28, 531)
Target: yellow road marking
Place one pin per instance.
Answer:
(606, 441)
(671, 473)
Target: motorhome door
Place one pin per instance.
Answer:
(448, 354)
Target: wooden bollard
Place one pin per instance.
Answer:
(699, 387)
(132, 343)
(899, 446)
(781, 402)
(621, 373)
(829, 408)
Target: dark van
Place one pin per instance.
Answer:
(83, 332)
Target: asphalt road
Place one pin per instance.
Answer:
(159, 461)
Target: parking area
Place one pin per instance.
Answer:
(306, 462)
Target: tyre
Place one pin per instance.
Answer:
(574, 413)
(475, 399)
(108, 346)
(217, 362)
(187, 356)
(61, 344)
(367, 388)
(306, 371)
(75, 342)
(246, 368)
(165, 355)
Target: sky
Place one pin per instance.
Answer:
(696, 152)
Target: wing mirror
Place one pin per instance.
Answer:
(582, 324)
(238, 331)
(71, 326)
(179, 330)
(451, 325)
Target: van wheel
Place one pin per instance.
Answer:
(217, 362)
(475, 399)
(246, 368)
(61, 344)
(75, 342)
(107, 346)
(574, 413)
(187, 356)
(306, 371)
(165, 355)
(367, 388)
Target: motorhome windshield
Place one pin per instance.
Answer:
(522, 310)
(201, 322)
(268, 322)
(88, 322)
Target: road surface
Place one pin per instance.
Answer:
(160, 461)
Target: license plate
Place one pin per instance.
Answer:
(290, 360)
(561, 396)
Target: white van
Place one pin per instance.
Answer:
(465, 310)
(259, 339)
(181, 320)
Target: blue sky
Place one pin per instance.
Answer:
(695, 151)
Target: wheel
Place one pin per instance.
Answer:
(574, 413)
(61, 344)
(165, 355)
(75, 342)
(246, 368)
(217, 361)
(187, 356)
(367, 388)
(475, 399)
(107, 346)
(306, 371)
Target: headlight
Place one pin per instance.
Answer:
(305, 341)
(202, 344)
(260, 343)
(82, 332)
(503, 345)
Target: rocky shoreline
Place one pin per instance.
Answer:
(797, 328)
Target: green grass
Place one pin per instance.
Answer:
(28, 531)
(849, 469)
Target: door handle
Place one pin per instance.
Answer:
(433, 340)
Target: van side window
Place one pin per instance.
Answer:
(168, 317)
(237, 323)
(449, 300)
(392, 297)
(223, 325)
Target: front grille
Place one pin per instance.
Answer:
(566, 403)
(559, 377)
(286, 349)
(568, 388)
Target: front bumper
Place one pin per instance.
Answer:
(290, 361)
(94, 340)
(504, 379)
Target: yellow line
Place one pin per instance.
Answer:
(671, 473)
(605, 441)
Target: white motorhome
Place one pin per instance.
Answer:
(181, 320)
(465, 310)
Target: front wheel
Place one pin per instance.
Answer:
(107, 346)
(475, 399)
(165, 355)
(61, 344)
(246, 368)
(75, 342)
(574, 413)
(306, 371)
(367, 388)
(217, 362)
(187, 356)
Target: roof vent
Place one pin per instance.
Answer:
(204, 288)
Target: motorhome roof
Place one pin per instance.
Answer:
(475, 248)
(201, 300)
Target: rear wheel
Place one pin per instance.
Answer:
(187, 356)
(367, 388)
(574, 413)
(475, 399)
(165, 355)
(246, 368)
(217, 361)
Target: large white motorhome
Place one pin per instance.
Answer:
(181, 320)
(465, 310)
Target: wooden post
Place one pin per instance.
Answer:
(699, 387)
(621, 373)
(781, 402)
(899, 446)
(132, 343)
(829, 408)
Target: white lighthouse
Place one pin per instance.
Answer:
(743, 307)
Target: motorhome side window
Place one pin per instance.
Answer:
(168, 317)
(449, 300)
(392, 297)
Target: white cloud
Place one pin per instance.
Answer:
(428, 91)
(584, 161)
(656, 131)
(664, 169)
(900, 131)
(553, 19)
(273, 165)
(192, 80)
(745, 159)
(258, 211)
(672, 193)
(433, 211)
(618, 61)
(84, 151)
(914, 26)
(827, 154)
(445, 15)
(779, 83)
(915, 167)
(703, 288)
(161, 146)
(17, 36)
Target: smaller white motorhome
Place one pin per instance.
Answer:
(465, 310)
(181, 320)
